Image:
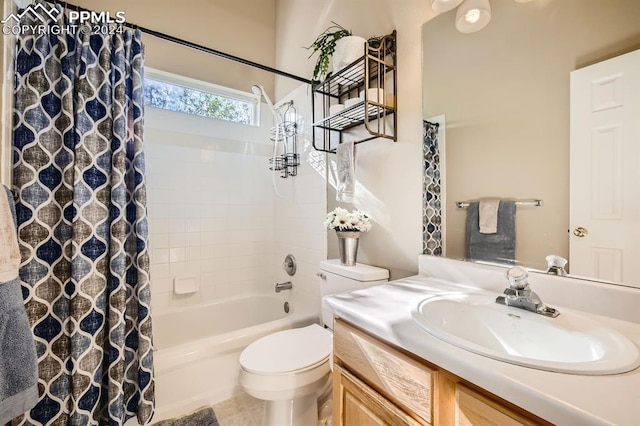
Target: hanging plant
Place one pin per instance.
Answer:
(325, 43)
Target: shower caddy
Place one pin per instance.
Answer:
(286, 133)
(376, 69)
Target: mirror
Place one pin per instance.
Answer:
(504, 92)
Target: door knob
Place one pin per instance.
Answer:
(580, 232)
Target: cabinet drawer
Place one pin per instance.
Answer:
(397, 377)
(473, 409)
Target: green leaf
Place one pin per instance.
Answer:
(325, 44)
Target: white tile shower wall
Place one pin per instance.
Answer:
(300, 213)
(211, 216)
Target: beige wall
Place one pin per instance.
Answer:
(244, 28)
(389, 173)
(505, 93)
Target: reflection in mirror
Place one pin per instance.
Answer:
(505, 93)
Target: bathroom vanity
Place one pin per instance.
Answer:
(375, 383)
(387, 370)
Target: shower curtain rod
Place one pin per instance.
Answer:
(195, 46)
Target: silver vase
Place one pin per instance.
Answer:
(348, 245)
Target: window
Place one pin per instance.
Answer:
(182, 94)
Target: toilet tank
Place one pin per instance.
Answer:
(336, 278)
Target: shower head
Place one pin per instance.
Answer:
(258, 90)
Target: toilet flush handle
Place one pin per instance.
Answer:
(321, 275)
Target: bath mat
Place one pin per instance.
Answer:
(202, 417)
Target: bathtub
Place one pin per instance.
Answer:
(197, 348)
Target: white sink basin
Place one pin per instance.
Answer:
(570, 343)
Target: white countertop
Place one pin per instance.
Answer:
(563, 399)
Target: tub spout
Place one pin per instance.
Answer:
(283, 286)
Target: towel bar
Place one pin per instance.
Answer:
(533, 203)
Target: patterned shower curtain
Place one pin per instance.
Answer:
(79, 172)
(432, 201)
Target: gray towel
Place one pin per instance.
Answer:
(18, 361)
(202, 417)
(498, 247)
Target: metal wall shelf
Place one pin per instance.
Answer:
(350, 78)
(354, 116)
(376, 69)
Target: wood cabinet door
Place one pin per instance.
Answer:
(401, 380)
(473, 409)
(356, 404)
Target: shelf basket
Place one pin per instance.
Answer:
(286, 163)
(375, 69)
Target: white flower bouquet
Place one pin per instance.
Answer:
(341, 220)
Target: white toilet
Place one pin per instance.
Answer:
(290, 369)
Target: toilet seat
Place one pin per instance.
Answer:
(288, 351)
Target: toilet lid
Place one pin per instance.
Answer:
(288, 350)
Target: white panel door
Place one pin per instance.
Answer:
(605, 171)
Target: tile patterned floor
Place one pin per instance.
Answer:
(242, 410)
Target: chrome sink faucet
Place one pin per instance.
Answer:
(520, 295)
(556, 264)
